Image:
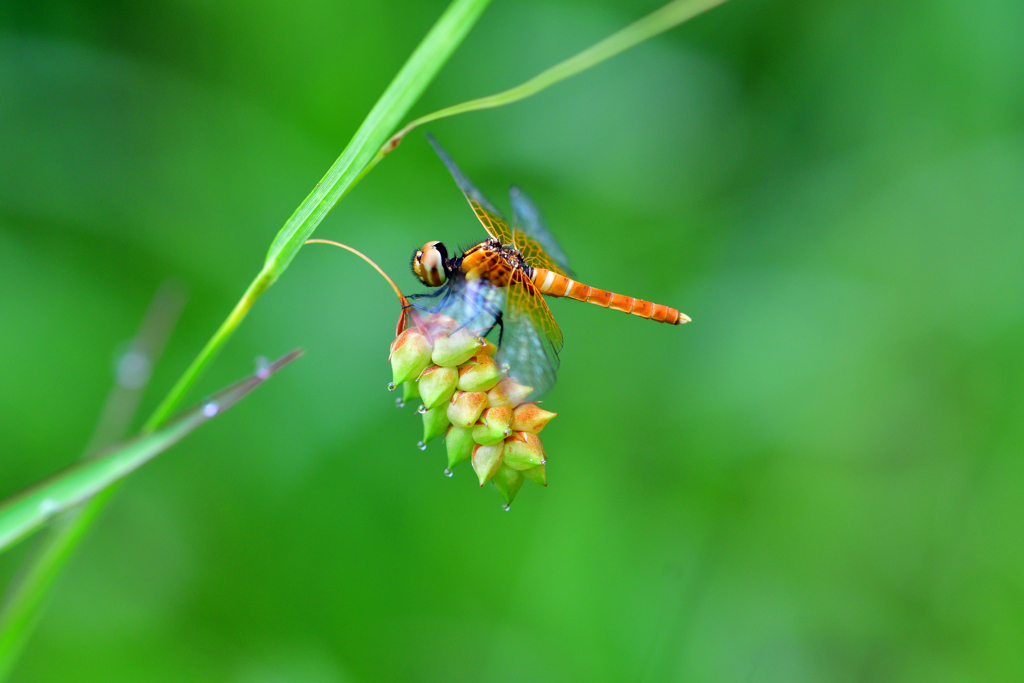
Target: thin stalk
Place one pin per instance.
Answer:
(209, 352)
(402, 301)
(658, 21)
(401, 297)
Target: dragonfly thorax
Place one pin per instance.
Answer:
(491, 261)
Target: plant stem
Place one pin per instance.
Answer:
(401, 297)
(410, 82)
(209, 352)
(658, 21)
(22, 609)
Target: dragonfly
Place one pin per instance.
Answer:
(502, 282)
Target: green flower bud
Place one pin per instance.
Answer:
(524, 450)
(493, 425)
(465, 408)
(479, 374)
(508, 481)
(435, 421)
(455, 348)
(487, 460)
(528, 417)
(536, 474)
(471, 399)
(459, 443)
(410, 354)
(437, 385)
(410, 390)
(508, 392)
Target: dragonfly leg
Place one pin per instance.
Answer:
(457, 303)
(430, 295)
(501, 328)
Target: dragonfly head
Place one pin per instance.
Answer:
(430, 264)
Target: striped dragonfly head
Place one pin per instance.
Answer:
(430, 264)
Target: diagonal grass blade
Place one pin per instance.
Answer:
(29, 510)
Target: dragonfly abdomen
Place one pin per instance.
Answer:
(553, 284)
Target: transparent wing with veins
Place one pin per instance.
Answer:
(473, 305)
(491, 219)
(534, 253)
(532, 340)
(532, 238)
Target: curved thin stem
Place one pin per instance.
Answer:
(658, 21)
(398, 292)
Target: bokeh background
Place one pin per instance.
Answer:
(819, 479)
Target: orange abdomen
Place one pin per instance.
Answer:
(553, 284)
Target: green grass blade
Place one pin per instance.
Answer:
(98, 476)
(658, 21)
(405, 89)
(20, 606)
(355, 161)
(29, 510)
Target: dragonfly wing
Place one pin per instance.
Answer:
(526, 218)
(531, 341)
(491, 219)
(475, 305)
(535, 254)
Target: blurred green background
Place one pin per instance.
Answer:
(819, 479)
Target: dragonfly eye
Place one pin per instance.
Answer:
(428, 264)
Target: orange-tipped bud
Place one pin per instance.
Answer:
(437, 385)
(537, 475)
(410, 354)
(465, 408)
(487, 460)
(530, 418)
(435, 422)
(508, 392)
(479, 374)
(473, 400)
(455, 348)
(523, 451)
(508, 481)
(459, 443)
(493, 425)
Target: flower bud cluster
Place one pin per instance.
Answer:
(473, 402)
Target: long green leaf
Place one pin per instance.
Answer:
(390, 109)
(355, 161)
(29, 510)
(417, 73)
